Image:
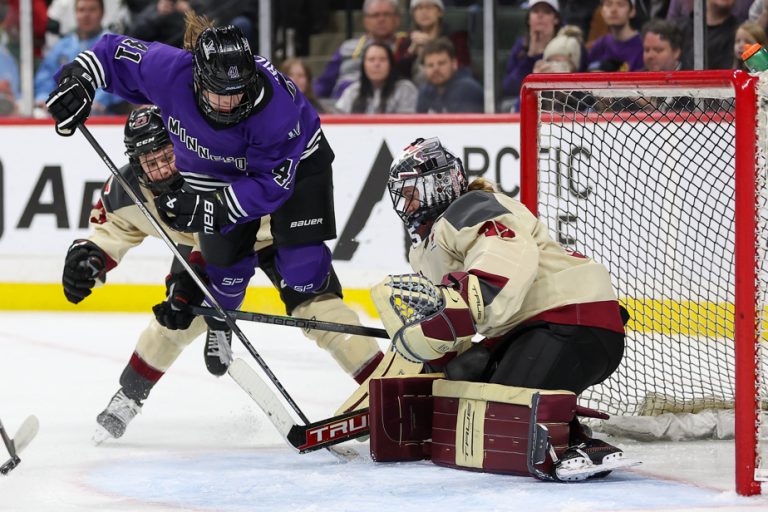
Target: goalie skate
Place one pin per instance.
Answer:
(115, 418)
(593, 459)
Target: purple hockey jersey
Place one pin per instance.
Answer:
(254, 161)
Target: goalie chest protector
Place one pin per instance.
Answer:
(485, 427)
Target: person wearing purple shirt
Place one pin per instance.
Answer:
(543, 24)
(623, 44)
(247, 143)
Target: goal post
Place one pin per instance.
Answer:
(662, 177)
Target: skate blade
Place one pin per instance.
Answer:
(100, 435)
(581, 468)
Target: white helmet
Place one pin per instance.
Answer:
(423, 181)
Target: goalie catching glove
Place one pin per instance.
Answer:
(84, 264)
(426, 321)
(181, 292)
(193, 213)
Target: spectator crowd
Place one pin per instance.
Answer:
(407, 58)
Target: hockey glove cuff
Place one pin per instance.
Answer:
(193, 213)
(84, 264)
(71, 100)
(426, 321)
(181, 292)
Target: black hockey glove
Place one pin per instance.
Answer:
(181, 292)
(85, 262)
(193, 213)
(70, 102)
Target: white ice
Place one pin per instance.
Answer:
(200, 444)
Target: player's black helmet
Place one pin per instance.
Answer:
(145, 133)
(224, 66)
(423, 181)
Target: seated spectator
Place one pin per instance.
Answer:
(379, 90)
(721, 34)
(622, 43)
(9, 83)
(243, 14)
(747, 34)
(446, 90)
(381, 19)
(161, 21)
(61, 18)
(427, 16)
(680, 10)
(562, 55)
(662, 46)
(88, 14)
(543, 24)
(300, 74)
(10, 24)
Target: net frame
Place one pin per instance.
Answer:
(748, 259)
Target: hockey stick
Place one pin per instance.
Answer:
(289, 321)
(304, 438)
(27, 431)
(274, 402)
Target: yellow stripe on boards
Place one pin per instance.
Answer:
(134, 298)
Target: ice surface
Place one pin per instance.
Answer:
(201, 444)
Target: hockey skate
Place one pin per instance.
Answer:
(115, 418)
(591, 459)
(218, 351)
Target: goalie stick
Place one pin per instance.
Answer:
(26, 432)
(289, 321)
(267, 394)
(303, 438)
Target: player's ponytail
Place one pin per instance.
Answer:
(482, 184)
(195, 24)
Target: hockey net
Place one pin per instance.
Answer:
(662, 178)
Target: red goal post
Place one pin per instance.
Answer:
(662, 177)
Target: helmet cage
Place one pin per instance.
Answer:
(224, 66)
(424, 181)
(145, 134)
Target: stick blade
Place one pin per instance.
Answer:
(262, 394)
(26, 433)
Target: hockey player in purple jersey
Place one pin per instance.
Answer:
(246, 140)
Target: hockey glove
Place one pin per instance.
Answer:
(426, 321)
(70, 102)
(85, 262)
(193, 213)
(181, 292)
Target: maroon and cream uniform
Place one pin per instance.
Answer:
(524, 274)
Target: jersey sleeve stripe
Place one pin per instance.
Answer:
(88, 60)
(236, 210)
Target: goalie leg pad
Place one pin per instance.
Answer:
(401, 417)
(485, 427)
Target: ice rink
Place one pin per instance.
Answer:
(200, 444)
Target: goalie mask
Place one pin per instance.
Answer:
(423, 182)
(150, 151)
(227, 85)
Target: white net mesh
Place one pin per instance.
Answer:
(644, 182)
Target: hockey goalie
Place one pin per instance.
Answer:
(550, 323)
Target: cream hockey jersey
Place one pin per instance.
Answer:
(118, 225)
(524, 274)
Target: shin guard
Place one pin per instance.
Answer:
(400, 417)
(500, 429)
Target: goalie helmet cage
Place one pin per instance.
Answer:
(662, 177)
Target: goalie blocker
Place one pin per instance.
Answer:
(485, 427)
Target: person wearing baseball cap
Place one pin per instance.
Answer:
(543, 22)
(427, 20)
